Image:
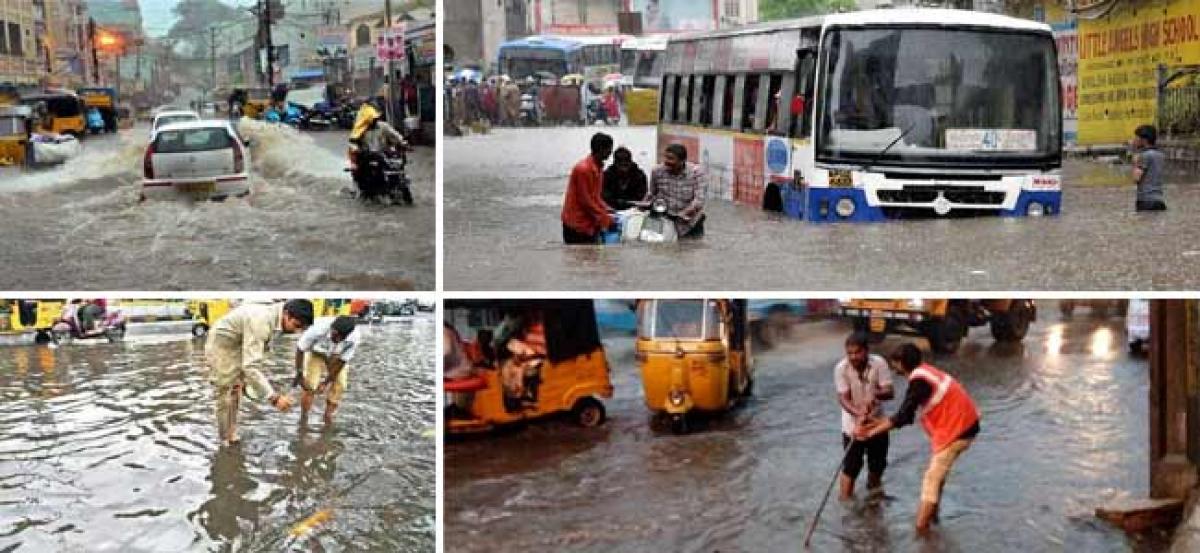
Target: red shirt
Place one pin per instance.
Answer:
(583, 208)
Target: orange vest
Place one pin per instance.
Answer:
(948, 412)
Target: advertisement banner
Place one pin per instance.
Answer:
(675, 15)
(390, 46)
(1066, 37)
(1118, 55)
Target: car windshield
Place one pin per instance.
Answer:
(682, 319)
(192, 140)
(167, 120)
(967, 95)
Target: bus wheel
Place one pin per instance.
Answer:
(588, 412)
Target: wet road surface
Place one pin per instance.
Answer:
(503, 194)
(1064, 419)
(80, 226)
(112, 448)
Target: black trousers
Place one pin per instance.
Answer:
(1151, 205)
(874, 449)
(572, 236)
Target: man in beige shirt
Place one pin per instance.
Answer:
(236, 349)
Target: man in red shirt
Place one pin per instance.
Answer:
(584, 214)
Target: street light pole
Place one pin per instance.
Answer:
(390, 80)
(270, 47)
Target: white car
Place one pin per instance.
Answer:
(203, 160)
(1137, 325)
(208, 110)
(167, 117)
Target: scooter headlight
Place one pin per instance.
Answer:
(844, 208)
(1035, 209)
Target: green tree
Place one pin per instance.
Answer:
(785, 9)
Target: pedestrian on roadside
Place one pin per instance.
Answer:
(948, 416)
(1148, 165)
(236, 351)
(585, 216)
(862, 380)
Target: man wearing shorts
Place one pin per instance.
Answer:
(323, 354)
(948, 416)
(862, 380)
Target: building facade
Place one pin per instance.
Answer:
(20, 62)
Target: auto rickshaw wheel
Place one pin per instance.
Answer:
(588, 412)
(1012, 325)
(679, 424)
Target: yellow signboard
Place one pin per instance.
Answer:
(1118, 55)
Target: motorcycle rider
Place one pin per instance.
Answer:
(681, 185)
(374, 136)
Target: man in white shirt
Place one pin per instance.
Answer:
(862, 381)
(323, 354)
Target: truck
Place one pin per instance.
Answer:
(944, 322)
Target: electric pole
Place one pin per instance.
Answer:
(270, 47)
(212, 45)
(95, 57)
(390, 80)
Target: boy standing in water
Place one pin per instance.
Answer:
(1148, 165)
(323, 355)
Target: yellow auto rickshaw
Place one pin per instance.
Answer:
(14, 134)
(531, 359)
(694, 355)
(258, 99)
(206, 314)
(64, 113)
(29, 316)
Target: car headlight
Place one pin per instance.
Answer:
(1035, 209)
(844, 207)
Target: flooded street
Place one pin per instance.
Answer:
(1064, 430)
(503, 194)
(80, 226)
(113, 448)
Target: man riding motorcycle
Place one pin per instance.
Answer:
(371, 138)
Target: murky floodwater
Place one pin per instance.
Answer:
(503, 196)
(80, 227)
(113, 448)
(1063, 431)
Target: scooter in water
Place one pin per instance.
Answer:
(110, 328)
(380, 176)
(651, 224)
(529, 111)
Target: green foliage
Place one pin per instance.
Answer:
(786, 9)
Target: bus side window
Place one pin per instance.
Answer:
(671, 97)
(703, 101)
(739, 98)
(720, 101)
(666, 102)
(750, 98)
(787, 92)
(730, 84)
(806, 75)
(772, 100)
(685, 115)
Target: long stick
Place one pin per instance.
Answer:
(817, 516)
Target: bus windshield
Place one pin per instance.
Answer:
(520, 64)
(936, 95)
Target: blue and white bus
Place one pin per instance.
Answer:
(590, 56)
(872, 115)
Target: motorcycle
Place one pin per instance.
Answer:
(110, 327)
(652, 224)
(597, 112)
(529, 111)
(380, 175)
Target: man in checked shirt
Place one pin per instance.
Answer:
(681, 184)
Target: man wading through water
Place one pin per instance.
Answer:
(862, 380)
(584, 214)
(323, 354)
(236, 350)
(948, 416)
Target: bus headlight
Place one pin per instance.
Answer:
(1035, 209)
(844, 208)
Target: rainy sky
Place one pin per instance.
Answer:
(157, 15)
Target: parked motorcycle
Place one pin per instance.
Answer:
(529, 111)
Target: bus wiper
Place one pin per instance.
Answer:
(884, 151)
